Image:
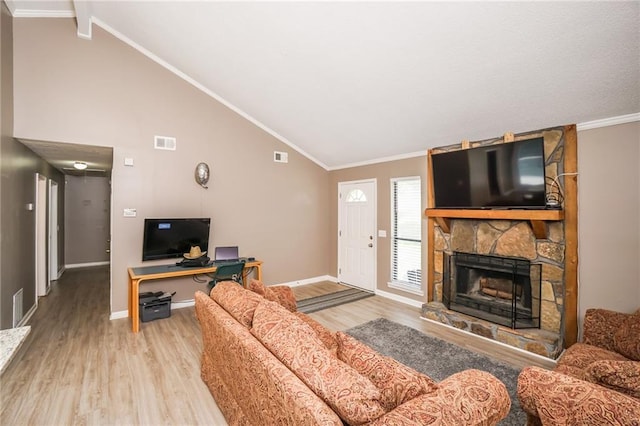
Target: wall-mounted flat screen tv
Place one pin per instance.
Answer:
(169, 238)
(506, 175)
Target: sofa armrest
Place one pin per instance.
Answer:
(600, 325)
(549, 397)
(471, 397)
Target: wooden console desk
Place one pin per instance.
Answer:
(148, 273)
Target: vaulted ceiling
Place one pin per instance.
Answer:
(352, 82)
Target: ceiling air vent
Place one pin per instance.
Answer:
(164, 142)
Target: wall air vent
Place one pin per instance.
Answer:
(280, 157)
(164, 142)
(17, 307)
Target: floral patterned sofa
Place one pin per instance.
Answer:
(595, 382)
(265, 363)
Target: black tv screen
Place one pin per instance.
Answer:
(169, 238)
(507, 175)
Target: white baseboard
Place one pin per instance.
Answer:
(310, 281)
(174, 305)
(26, 317)
(60, 272)
(188, 303)
(118, 315)
(85, 265)
(398, 298)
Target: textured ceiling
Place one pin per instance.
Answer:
(352, 82)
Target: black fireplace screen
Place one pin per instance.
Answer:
(503, 290)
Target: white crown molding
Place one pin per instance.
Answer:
(605, 122)
(18, 12)
(381, 160)
(204, 89)
(83, 18)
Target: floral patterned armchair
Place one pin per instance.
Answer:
(595, 382)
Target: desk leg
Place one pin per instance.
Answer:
(133, 305)
(245, 275)
(259, 272)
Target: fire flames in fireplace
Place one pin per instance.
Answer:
(503, 290)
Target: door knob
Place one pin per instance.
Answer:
(370, 244)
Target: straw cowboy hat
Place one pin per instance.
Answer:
(194, 253)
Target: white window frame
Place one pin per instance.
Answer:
(401, 284)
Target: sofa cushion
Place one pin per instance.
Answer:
(326, 337)
(396, 382)
(234, 299)
(353, 397)
(257, 286)
(626, 340)
(581, 355)
(279, 293)
(623, 376)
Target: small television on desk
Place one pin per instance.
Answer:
(171, 238)
(506, 175)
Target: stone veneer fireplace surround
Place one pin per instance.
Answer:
(547, 238)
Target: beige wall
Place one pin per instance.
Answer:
(383, 173)
(87, 230)
(18, 166)
(103, 92)
(609, 218)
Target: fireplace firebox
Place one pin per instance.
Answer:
(499, 289)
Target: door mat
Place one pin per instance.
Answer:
(325, 301)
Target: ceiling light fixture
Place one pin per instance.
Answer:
(80, 165)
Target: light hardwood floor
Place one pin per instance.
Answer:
(78, 367)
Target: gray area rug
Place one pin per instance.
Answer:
(325, 301)
(436, 358)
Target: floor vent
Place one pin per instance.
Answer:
(164, 142)
(17, 308)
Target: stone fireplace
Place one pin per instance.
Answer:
(503, 275)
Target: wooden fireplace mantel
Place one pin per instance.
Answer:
(536, 218)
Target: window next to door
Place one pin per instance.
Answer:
(406, 244)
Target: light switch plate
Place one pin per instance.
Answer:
(382, 233)
(128, 161)
(129, 213)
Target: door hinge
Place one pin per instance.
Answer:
(340, 233)
(339, 271)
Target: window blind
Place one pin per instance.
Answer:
(406, 249)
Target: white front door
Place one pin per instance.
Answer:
(356, 233)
